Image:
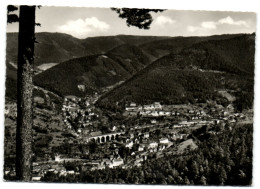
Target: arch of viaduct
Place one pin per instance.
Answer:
(105, 138)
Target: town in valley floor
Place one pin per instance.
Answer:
(197, 131)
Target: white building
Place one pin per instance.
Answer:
(132, 104)
(153, 121)
(164, 141)
(157, 105)
(149, 107)
(141, 148)
(129, 145)
(36, 178)
(153, 145)
(116, 162)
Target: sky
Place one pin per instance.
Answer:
(83, 22)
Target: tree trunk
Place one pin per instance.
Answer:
(24, 93)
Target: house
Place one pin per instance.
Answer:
(140, 108)
(133, 113)
(117, 162)
(161, 147)
(130, 108)
(132, 104)
(36, 178)
(167, 113)
(141, 147)
(153, 145)
(63, 173)
(138, 160)
(131, 135)
(142, 113)
(157, 105)
(153, 121)
(225, 113)
(113, 128)
(149, 107)
(163, 141)
(87, 103)
(81, 88)
(112, 162)
(155, 113)
(71, 172)
(161, 113)
(38, 100)
(146, 135)
(202, 113)
(153, 150)
(57, 158)
(129, 145)
(70, 98)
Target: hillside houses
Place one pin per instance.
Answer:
(78, 112)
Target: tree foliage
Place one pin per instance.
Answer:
(12, 17)
(140, 18)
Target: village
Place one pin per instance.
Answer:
(158, 130)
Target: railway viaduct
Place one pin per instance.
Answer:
(106, 137)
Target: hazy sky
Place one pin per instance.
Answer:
(88, 22)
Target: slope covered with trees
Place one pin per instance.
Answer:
(166, 46)
(95, 72)
(194, 74)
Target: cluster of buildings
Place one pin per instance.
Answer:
(157, 110)
(134, 107)
(188, 116)
(79, 111)
(150, 110)
(40, 169)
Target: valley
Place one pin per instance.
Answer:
(119, 104)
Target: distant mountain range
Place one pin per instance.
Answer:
(167, 69)
(60, 47)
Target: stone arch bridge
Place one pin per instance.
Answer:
(105, 138)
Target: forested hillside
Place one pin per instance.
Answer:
(94, 72)
(193, 75)
(176, 44)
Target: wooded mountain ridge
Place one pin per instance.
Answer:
(149, 68)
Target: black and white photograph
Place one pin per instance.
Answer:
(129, 96)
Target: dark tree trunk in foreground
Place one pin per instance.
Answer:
(24, 93)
